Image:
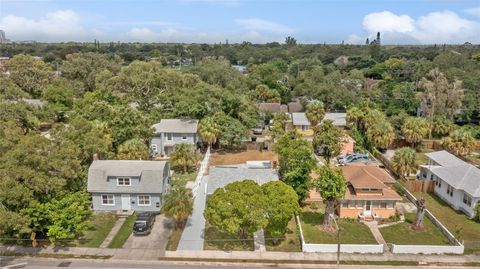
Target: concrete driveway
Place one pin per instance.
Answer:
(157, 239)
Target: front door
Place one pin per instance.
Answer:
(126, 202)
(368, 208)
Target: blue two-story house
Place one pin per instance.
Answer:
(126, 185)
(170, 132)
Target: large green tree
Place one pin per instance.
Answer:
(30, 74)
(327, 140)
(85, 67)
(381, 134)
(282, 205)
(238, 208)
(331, 185)
(296, 161)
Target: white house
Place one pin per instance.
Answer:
(456, 182)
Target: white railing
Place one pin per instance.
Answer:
(201, 172)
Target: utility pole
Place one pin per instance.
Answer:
(338, 240)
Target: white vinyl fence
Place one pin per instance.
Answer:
(201, 172)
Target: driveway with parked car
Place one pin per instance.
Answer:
(157, 238)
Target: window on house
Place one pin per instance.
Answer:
(431, 176)
(352, 204)
(450, 190)
(345, 204)
(154, 147)
(144, 200)
(169, 136)
(108, 199)
(383, 204)
(467, 199)
(123, 181)
(184, 137)
(375, 204)
(360, 204)
(391, 204)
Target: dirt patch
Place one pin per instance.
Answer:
(240, 157)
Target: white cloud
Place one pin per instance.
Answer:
(475, 11)
(355, 39)
(435, 27)
(256, 24)
(61, 25)
(386, 21)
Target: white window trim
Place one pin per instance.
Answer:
(113, 199)
(154, 147)
(171, 136)
(124, 185)
(149, 200)
(186, 137)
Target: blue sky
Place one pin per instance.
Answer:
(213, 21)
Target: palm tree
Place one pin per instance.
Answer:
(179, 205)
(133, 149)
(404, 161)
(442, 126)
(208, 130)
(183, 155)
(381, 134)
(415, 130)
(460, 142)
(355, 116)
(315, 112)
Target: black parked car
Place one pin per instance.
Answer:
(144, 223)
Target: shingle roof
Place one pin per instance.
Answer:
(338, 119)
(176, 126)
(455, 172)
(295, 107)
(299, 118)
(150, 173)
(444, 158)
(366, 176)
(270, 107)
(220, 176)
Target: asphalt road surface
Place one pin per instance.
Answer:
(47, 263)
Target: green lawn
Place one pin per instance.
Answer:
(458, 223)
(173, 239)
(403, 234)
(124, 232)
(218, 240)
(421, 157)
(100, 225)
(180, 179)
(289, 243)
(351, 231)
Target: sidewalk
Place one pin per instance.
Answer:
(373, 226)
(193, 234)
(244, 256)
(147, 254)
(113, 232)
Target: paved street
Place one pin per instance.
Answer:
(157, 239)
(44, 263)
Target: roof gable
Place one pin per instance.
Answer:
(176, 126)
(150, 174)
